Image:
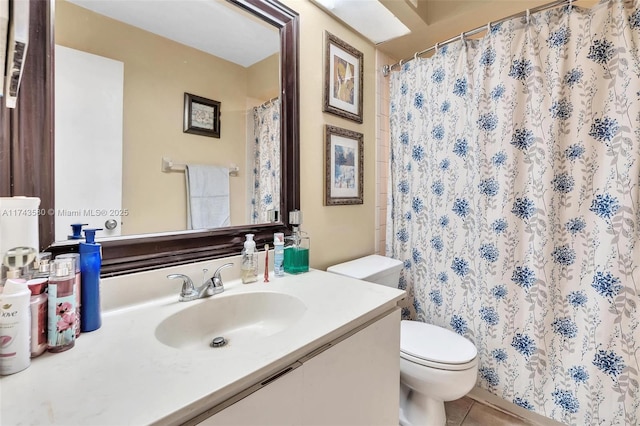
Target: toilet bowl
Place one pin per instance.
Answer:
(436, 364)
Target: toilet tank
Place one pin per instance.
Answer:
(375, 268)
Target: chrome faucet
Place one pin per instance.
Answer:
(208, 288)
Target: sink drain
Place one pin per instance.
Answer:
(218, 342)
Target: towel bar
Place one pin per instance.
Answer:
(169, 166)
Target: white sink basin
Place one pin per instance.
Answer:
(239, 318)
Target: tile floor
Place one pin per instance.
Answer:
(467, 412)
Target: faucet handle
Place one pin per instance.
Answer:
(188, 291)
(216, 278)
(217, 272)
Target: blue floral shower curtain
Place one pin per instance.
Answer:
(266, 166)
(514, 204)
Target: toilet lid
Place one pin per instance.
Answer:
(432, 343)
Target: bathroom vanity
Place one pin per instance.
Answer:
(310, 348)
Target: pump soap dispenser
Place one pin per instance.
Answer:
(76, 231)
(296, 250)
(249, 261)
(90, 263)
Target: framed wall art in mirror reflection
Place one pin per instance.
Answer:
(343, 79)
(343, 165)
(201, 116)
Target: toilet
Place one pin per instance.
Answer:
(436, 364)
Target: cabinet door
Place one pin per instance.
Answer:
(357, 381)
(277, 404)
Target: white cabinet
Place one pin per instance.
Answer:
(354, 382)
(276, 404)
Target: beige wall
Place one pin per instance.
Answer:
(157, 73)
(263, 78)
(382, 151)
(338, 233)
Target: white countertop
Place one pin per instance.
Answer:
(121, 374)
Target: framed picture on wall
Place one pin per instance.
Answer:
(201, 116)
(343, 165)
(342, 79)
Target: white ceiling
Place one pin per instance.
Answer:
(213, 26)
(369, 17)
(223, 30)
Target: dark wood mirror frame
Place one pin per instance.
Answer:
(27, 149)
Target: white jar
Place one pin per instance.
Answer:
(15, 327)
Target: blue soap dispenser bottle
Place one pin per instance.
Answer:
(90, 263)
(76, 229)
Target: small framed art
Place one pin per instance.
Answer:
(343, 79)
(201, 116)
(344, 159)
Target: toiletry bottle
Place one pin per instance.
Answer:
(42, 265)
(62, 310)
(14, 274)
(17, 262)
(296, 253)
(77, 289)
(38, 305)
(76, 231)
(90, 263)
(15, 327)
(249, 261)
(266, 263)
(278, 254)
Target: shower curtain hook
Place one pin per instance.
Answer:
(489, 27)
(437, 46)
(415, 56)
(528, 15)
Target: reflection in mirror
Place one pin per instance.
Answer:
(122, 69)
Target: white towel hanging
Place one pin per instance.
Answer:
(207, 196)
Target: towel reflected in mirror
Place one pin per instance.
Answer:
(207, 196)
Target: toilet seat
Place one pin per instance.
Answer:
(438, 365)
(436, 347)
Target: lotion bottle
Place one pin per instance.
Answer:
(77, 289)
(62, 306)
(15, 327)
(90, 263)
(249, 261)
(42, 265)
(38, 306)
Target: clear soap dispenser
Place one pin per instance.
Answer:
(249, 261)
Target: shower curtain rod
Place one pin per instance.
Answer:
(265, 103)
(386, 69)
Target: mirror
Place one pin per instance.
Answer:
(31, 141)
(130, 77)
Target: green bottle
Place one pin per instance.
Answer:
(296, 252)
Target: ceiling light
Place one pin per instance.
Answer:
(368, 17)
